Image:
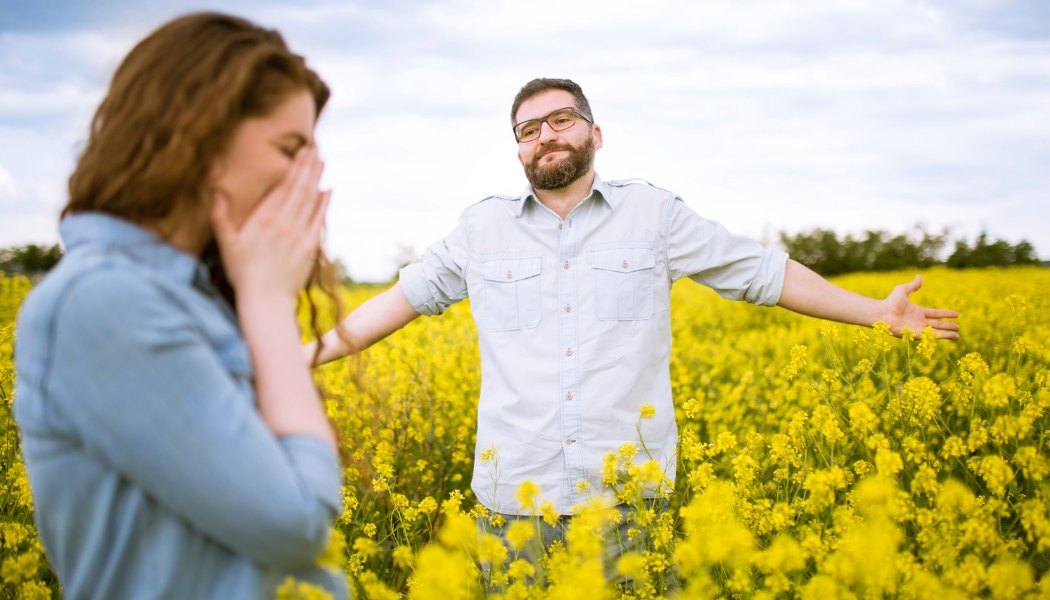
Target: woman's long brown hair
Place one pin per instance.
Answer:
(172, 108)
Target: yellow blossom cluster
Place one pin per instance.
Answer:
(814, 461)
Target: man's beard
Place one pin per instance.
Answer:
(561, 173)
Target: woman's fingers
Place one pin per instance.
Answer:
(301, 200)
(274, 202)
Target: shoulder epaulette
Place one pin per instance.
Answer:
(499, 197)
(623, 182)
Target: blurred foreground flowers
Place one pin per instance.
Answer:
(815, 461)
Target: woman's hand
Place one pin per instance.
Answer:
(274, 249)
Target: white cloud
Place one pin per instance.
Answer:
(763, 114)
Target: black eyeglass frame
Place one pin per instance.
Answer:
(543, 120)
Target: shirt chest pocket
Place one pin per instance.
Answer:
(511, 290)
(623, 280)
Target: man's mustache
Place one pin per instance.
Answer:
(551, 148)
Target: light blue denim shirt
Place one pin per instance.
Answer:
(152, 472)
(574, 326)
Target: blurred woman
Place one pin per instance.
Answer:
(175, 442)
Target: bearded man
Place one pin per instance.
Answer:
(570, 288)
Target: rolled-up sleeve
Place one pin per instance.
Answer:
(439, 279)
(734, 266)
(147, 395)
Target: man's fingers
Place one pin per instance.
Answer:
(913, 286)
(942, 324)
(937, 313)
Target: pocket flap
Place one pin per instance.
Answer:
(622, 260)
(508, 269)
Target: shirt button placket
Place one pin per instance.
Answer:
(568, 326)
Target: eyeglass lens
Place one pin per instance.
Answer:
(559, 120)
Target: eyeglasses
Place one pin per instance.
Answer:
(559, 120)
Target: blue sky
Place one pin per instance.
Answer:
(765, 115)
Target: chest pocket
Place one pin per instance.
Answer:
(623, 280)
(511, 290)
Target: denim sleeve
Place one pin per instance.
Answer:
(735, 266)
(439, 279)
(147, 394)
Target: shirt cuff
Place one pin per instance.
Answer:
(414, 284)
(318, 468)
(769, 281)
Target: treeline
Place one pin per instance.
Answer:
(820, 249)
(824, 252)
(29, 259)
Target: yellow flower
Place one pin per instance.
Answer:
(521, 570)
(928, 343)
(491, 549)
(292, 589)
(998, 390)
(647, 411)
(403, 557)
(784, 555)
(365, 547)
(550, 516)
(996, 474)
(888, 462)
(1009, 578)
(632, 566)
(526, 494)
(798, 362)
(519, 533)
(489, 454)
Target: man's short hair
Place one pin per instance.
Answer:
(538, 86)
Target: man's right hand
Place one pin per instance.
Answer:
(374, 320)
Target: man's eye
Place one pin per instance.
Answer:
(528, 131)
(289, 152)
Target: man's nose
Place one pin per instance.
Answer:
(547, 132)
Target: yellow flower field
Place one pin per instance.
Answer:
(816, 461)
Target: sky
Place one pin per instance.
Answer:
(764, 115)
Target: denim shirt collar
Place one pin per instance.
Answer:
(598, 188)
(88, 229)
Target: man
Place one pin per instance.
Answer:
(570, 287)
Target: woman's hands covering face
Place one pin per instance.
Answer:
(274, 249)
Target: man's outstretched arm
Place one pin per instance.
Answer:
(807, 293)
(377, 318)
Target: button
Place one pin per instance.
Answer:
(568, 396)
(568, 308)
(568, 442)
(624, 266)
(559, 225)
(509, 275)
(566, 265)
(568, 352)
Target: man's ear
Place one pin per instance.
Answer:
(597, 130)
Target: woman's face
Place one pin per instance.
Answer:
(261, 151)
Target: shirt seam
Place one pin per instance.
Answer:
(667, 239)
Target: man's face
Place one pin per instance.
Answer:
(556, 158)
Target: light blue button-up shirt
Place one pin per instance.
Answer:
(573, 319)
(152, 473)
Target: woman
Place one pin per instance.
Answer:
(175, 442)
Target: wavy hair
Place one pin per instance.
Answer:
(170, 112)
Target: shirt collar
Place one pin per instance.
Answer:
(599, 188)
(144, 247)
